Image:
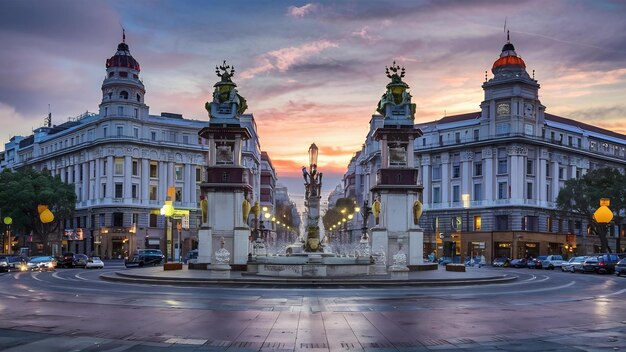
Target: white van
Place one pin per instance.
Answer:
(552, 261)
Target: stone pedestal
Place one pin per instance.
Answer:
(219, 271)
(240, 246)
(205, 245)
(399, 272)
(380, 241)
(416, 247)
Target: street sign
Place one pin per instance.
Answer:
(185, 222)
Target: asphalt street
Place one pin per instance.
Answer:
(75, 310)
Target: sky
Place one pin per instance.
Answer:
(310, 71)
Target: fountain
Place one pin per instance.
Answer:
(311, 256)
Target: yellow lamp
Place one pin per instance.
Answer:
(8, 220)
(267, 215)
(603, 215)
(168, 208)
(41, 208)
(46, 216)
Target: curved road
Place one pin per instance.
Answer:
(542, 310)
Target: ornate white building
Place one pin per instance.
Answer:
(491, 177)
(122, 161)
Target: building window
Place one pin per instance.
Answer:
(154, 169)
(549, 224)
(198, 175)
(118, 219)
(530, 167)
(185, 139)
(119, 190)
(503, 190)
(436, 172)
(104, 191)
(529, 190)
(120, 131)
(478, 191)
(478, 168)
(153, 135)
(106, 112)
(476, 135)
(153, 220)
(153, 192)
(548, 193)
(178, 196)
(120, 111)
(101, 220)
(529, 129)
(436, 195)
(561, 173)
(570, 141)
(119, 166)
(136, 113)
(457, 137)
(530, 223)
(178, 172)
(456, 193)
(502, 166)
(579, 142)
(134, 192)
(477, 223)
(456, 171)
(104, 131)
(135, 168)
(502, 222)
(136, 132)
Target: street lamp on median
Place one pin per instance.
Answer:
(603, 216)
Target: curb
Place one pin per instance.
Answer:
(284, 282)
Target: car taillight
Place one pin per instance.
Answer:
(600, 263)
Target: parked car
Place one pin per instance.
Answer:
(94, 262)
(590, 264)
(535, 263)
(620, 267)
(574, 264)
(145, 257)
(501, 262)
(42, 263)
(606, 263)
(552, 261)
(519, 263)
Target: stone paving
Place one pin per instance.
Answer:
(604, 337)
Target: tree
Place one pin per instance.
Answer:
(22, 191)
(582, 197)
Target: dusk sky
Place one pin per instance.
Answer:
(311, 72)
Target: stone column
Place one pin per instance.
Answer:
(488, 173)
(85, 181)
(110, 167)
(467, 157)
(425, 175)
(98, 171)
(145, 181)
(128, 172)
(555, 180)
(445, 179)
(542, 178)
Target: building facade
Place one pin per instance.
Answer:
(122, 161)
(491, 177)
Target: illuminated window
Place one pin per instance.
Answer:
(477, 222)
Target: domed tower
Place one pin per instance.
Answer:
(511, 105)
(122, 90)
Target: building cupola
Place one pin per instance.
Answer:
(122, 90)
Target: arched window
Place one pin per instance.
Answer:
(138, 98)
(124, 95)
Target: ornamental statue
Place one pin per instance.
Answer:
(396, 102)
(226, 100)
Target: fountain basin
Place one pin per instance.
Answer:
(310, 265)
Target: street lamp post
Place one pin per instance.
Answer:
(466, 204)
(603, 216)
(167, 210)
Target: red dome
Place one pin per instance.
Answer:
(509, 61)
(122, 58)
